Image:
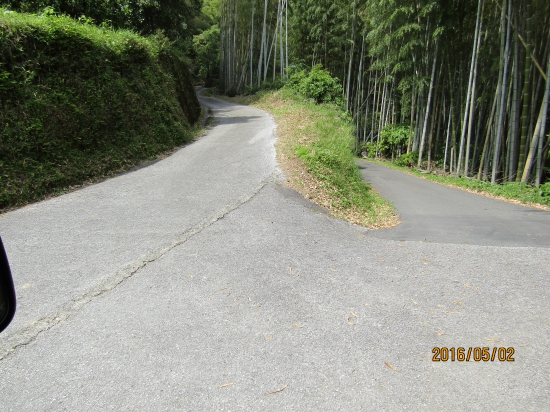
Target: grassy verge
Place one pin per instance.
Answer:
(79, 103)
(314, 150)
(513, 192)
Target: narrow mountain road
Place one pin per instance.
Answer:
(436, 213)
(200, 283)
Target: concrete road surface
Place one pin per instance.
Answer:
(200, 283)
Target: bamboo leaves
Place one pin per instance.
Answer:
(466, 77)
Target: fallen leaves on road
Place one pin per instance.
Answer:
(389, 366)
(277, 391)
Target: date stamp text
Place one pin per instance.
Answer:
(477, 354)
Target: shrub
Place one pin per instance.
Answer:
(207, 51)
(393, 139)
(368, 149)
(318, 85)
(544, 189)
(407, 160)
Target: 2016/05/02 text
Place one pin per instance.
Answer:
(476, 354)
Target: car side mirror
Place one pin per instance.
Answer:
(7, 291)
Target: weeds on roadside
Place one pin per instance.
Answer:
(315, 150)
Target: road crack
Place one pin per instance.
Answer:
(26, 334)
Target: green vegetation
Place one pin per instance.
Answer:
(392, 142)
(469, 78)
(205, 51)
(173, 17)
(408, 159)
(207, 55)
(78, 102)
(189, 24)
(315, 149)
(316, 84)
(330, 158)
(511, 190)
(461, 85)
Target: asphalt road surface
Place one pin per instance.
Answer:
(200, 283)
(436, 213)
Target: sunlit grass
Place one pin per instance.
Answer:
(315, 151)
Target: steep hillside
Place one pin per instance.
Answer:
(79, 102)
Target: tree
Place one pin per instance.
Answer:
(174, 17)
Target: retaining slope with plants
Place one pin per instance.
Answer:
(78, 102)
(315, 148)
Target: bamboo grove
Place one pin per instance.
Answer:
(464, 82)
(243, 26)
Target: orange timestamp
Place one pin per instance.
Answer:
(476, 354)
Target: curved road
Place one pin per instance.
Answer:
(199, 283)
(435, 213)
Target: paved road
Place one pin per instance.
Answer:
(200, 283)
(435, 213)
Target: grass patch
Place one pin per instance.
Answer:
(79, 103)
(314, 149)
(511, 191)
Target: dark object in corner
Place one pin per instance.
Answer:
(7, 291)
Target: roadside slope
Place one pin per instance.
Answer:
(315, 151)
(79, 103)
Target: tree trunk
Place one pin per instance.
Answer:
(286, 34)
(447, 141)
(487, 135)
(263, 46)
(423, 139)
(468, 110)
(473, 97)
(281, 54)
(513, 129)
(413, 98)
(351, 53)
(503, 80)
(252, 44)
(540, 129)
(526, 91)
